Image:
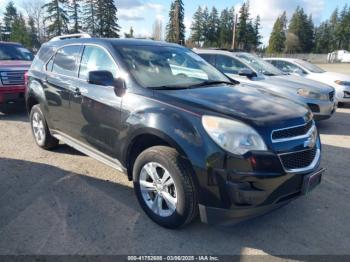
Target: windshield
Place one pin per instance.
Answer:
(15, 52)
(167, 67)
(260, 65)
(310, 67)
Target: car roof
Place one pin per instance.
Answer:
(218, 51)
(110, 41)
(282, 59)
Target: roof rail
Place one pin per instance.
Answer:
(71, 36)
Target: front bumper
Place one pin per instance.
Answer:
(11, 95)
(343, 94)
(322, 110)
(279, 192)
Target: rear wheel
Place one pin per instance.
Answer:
(164, 187)
(41, 132)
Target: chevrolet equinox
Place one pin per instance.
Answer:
(191, 140)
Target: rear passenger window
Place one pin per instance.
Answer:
(209, 58)
(65, 62)
(229, 65)
(94, 59)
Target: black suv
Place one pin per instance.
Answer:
(190, 139)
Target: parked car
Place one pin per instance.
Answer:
(340, 82)
(248, 68)
(189, 139)
(14, 62)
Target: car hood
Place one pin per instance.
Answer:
(334, 76)
(14, 65)
(244, 102)
(297, 82)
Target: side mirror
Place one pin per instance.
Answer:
(101, 77)
(247, 73)
(106, 78)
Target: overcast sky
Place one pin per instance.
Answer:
(141, 14)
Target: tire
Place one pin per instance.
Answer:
(178, 195)
(40, 130)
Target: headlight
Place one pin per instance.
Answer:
(343, 83)
(233, 136)
(314, 95)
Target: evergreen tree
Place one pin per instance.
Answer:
(301, 27)
(75, 15)
(205, 28)
(130, 34)
(176, 27)
(57, 16)
(197, 26)
(244, 28)
(89, 16)
(33, 34)
(10, 16)
(278, 35)
(107, 20)
(19, 31)
(256, 33)
(213, 28)
(226, 28)
(323, 38)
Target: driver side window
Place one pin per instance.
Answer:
(229, 65)
(288, 67)
(95, 58)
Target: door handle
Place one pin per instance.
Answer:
(76, 92)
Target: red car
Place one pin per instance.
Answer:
(15, 61)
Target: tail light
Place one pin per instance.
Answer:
(26, 80)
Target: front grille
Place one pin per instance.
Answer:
(331, 96)
(12, 78)
(292, 132)
(298, 160)
(346, 94)
(314, 108)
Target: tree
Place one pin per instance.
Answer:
(256, 33)
(157, 30)
(34, 11)
(106, 14)
(245, 29)
(213, 28)
(74, 15)
(292, 44)
(302, 27)
(57, 16)
(176, 26)
(130, 34)
(226, 27)
(89, 16)
(33, 34)
(197, 26)
(278, 35)
(205, 25)
(10, 16)
(19, 31)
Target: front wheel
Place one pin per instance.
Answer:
(164, 187)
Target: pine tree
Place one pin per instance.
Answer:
(19, 31)
(89, 16)
(226, 28)
(176, 27)
(57, 16)
(33, 34)
(130, 34)
(213, 27)
(301, 27)
(197, 26)
(75, 15)
(257, 37)
(243, 28)
(206, 26)
(278, 35)
(10, 17)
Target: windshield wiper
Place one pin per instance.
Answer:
(210, 83)
(165, 87)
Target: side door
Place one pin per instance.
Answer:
(62, 71)
(231, 67)
(97, 108)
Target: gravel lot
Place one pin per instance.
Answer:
(63, 202)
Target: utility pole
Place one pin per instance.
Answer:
(235, 17)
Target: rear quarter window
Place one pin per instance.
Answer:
(65, 62)
(42, 57)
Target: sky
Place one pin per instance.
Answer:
(141, 14)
